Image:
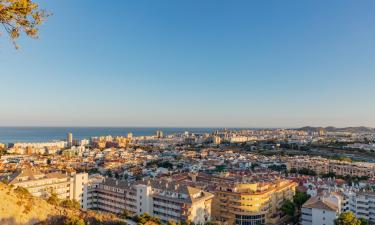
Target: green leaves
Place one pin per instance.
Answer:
(347, 218)
(288, 208)
(300, 198)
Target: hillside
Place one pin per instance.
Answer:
(19, 208)
(343, 129)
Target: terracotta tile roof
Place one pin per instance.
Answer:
(320, 203)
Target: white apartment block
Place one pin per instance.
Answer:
(57, 144)
(362, 204)
(73, 186)
(36, 148)
(321, 210)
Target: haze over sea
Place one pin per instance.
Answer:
(39, 134)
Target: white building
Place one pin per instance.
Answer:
(57, 144)
(72, 186)
(69, 139)
(362, 204)
(321, 210)
(216, 140)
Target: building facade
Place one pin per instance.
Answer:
(65, 186)
(323, 166)
(251, 203)
(164, 199)
(362, 204)
(321, 210)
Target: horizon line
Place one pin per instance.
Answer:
(164, 126)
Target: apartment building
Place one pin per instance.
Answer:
(322, 166)
(362, 204)
(36, 148)
(113, 196)
(179, 202)
(66, 186)
(243, 199)
(251, 203)
(321, 210)
(164, 199)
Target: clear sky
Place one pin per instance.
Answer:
(194, 63)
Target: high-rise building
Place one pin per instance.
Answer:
(159, 134)
(216, 140)
(130, 135)
(69, 139)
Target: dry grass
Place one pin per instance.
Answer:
(18, 208)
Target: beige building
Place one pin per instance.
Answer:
(322, 166)
(252, 203)
(73, 186)
(173, 201)
(36, 148)
(243, 199)
(164, 199)
(69, 139)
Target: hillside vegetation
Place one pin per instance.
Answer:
(18, 207)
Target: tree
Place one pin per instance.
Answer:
(73, 220)
(171, 222)
(363, 221)
(22, 192)
(347, 218)
(300, 198)
(21, 16)
(125, 214)
(5, 181)
(53, 199)
(108, 173)
(210, 223)
(70, 204)
(288, 208)
(145, 218)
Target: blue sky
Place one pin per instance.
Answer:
(194, 63)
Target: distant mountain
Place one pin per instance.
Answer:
(311, 129)
(360, 129)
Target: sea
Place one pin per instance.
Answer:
(42, 134)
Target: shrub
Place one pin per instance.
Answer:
(53, 199)
(73, 220)
(70, 204)
(22, 192)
